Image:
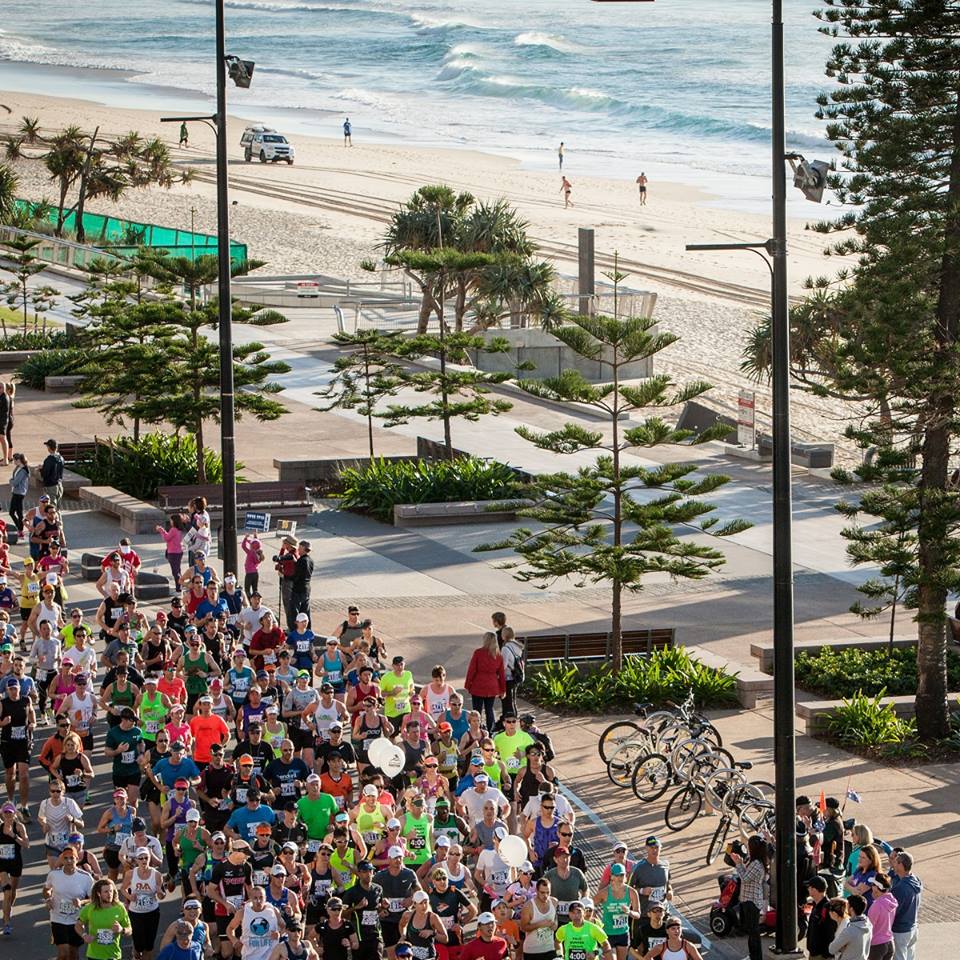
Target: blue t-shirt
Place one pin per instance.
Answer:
(281, 777)
(460, 725)
(169, 773)
(301, 649)
(244, 820)
(205, 608)
(174, 952)
(207, 574)
(239, 682)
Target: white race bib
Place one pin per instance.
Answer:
(153, 726)
(234, 902)
(33, 588)
(18, 733)
(105, 937)
(128, 756)
(400, 705)
(7, 851)
(146, 902)
(259, 878)
(368, 918)
(396, 905)
(313, 846)
(52, 579)
(57, 840)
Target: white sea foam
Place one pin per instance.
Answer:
(547, 40)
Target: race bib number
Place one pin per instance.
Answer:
(7, 851)
(66, 912)
(401, 706)
(18, 733)
(269, 656)
(105, 937)
(620, 921)
(501, 877)
(577, 955)
(74, 780)
(153, 726)
(417, 842)
(57, 840)
(146, 902)
(33, 588)
(334, 676)
(421, 953)
(52, 579)
(448, 922)
(371, 837)
(234, 902)
(368, 918)
(313, 846)
(303, 646)
(563, 906)
(287, 789)
(128, 756)
(395, 905)
(658, 893)
(241, 793)
(259, 878)
(321, 889)
(513, 763)
(121, 837)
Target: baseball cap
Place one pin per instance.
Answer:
(620, 845)
(420, 896)
(313, 778)
(395, 852)
(444, 727)
(205, 699)
(246, 758)
(476, 761)
(485, 918)
(290, 847)
(364, 865)
(278, 870)
(12, 682)
(393, 824)
(651, 841)
(180, 784)
(191, 904)
(141, 852)
(442, 841)
(177, 746)
(302, 618)
(481, 778)
(239, 845)
(371, 791)
(193, 816)
(618, 870)
(501, 833)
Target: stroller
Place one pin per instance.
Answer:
(724, 912)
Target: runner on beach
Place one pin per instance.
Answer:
(565, 188)
(642, 187)
(560, 155)
(184, 135)
(347, 133)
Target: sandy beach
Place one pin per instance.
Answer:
(328, 211)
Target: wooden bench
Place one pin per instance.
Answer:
(135, 515)
(64, 383)
(539, 647)
(460, 511)
(285, 498)
(752, 685)
(764, 651)
(812, 455)
(815, 713)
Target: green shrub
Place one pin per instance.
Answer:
(50, 363)
(378, 487)
(844, 673)
(35, 340)
(665, 675)
(138, 467)
(866, 722)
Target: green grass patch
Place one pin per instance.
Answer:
(846, 673)
(664, 675)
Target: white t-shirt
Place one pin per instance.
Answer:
(58, 818)
(85, 661)
(532, 809)
(249, 620)
(65, 889)
(495, 872)
(128, 849)
(257, 927)
(474, 801)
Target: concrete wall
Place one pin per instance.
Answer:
(550, 357)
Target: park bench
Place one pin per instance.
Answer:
(285, 497)
(461, 511)
(540, 647)
(150, 586)
(135, 515)
(815, 713)
(63, 383)
(810, 455)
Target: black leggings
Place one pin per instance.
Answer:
(484, 705)
(750, 920)
(144, 927)
(16, 509)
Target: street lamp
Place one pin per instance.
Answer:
(241, 72)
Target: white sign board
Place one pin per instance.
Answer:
(747, 418)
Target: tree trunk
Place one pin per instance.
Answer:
(931, 702)
(82, 194)
(444, 396)
(616, 630)
(61, 213)
(366, 380)
(201, 464)
(461, 304)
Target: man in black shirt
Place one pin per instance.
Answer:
(287, 776)
(255, 747)
(51, 474)
(215, 782)
(336, 744)
(362, 904)
(289, 832)
(17, 720)
(231, 883)
(302, 572)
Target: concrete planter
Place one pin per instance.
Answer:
(550, 358)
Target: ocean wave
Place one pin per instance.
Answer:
(427, 22)
(277, 6)
(547, 41)
(23, 51)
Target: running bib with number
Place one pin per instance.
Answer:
(288, 789)
(368, 918)
(74, 780)
(448, 922)
(33, 588)
(67, 912)
(52, 579)
(303, 646)
(18, 733)
(400, 705)
(334, 676)
(128, 756)
(421, 953)
(121, 837)
(321, 888)
(513, 763)
(259, 878)
(657, 893)
(417, 842)
(241, 793)
(56, 839)
(371, 836)
(313, 845)
(563, 906)
(619, 921)
(153, 726)
(234, 902)
(146, 902)
(105, 937)
(7, 851)
(395, 905)
(500, 877)
(577, 955)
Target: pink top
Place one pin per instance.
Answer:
(251, 548)
(174, 539)
(181, 732)
(880, 915)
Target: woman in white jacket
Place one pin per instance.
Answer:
(854, 931)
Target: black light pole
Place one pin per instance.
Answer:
(241, 73)
(227, 417)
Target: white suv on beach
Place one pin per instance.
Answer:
(266, 144)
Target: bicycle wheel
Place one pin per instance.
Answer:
(720, 784)
(614, 736)
(756, 816)
(708, 762)
(719, 840)
(683, 808)
(651, 777)
(620, 766)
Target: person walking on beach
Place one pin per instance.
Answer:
(566, 187)
(642, 187)
(560, 156)
(184, 135)
(347, 133)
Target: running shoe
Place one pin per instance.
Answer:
(25, 813)
(7, 930)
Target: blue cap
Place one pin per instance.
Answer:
(12, 682)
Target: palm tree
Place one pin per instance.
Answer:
(30, 129)
(66, 159)
(8, 192)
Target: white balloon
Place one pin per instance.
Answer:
(513, 850)
(392, 761)
(377, 749)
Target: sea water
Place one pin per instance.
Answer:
(677, 86)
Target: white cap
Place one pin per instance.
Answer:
(141, 852)
(278, 870)
(486, 918)
(313, 778)
(193, 816)
(587, 903)
(273, 708)
(302, 618)
(393, 823)
(371, 791)
(443, 841)
(526, 867)
(501, 833)
(420, 896)
(395, 851)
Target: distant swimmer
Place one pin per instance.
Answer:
(560, 155)
(566, 188)
(184, 135)
(642, 187)
(347, 138)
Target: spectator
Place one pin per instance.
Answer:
(753, 898)
(881, 913)
(852, 940)
(908, 890)
(486, 679)
(51, 474)
(821, 924)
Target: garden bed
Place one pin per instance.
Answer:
(836, 674)
(586, 689)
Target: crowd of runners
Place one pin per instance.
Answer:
(302, 791)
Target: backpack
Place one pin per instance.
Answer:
(518, 671)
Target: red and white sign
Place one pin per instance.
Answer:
(747, 418)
